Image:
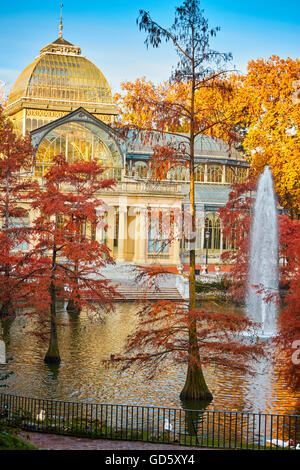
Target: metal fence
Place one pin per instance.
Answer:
(202, 428)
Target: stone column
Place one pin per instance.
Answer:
(205, 173)
(122, 233)
(99, 233)
(224, 174)
(176, 251)
(136, 237)
(140, 236)
(110, 228)
(202, 229)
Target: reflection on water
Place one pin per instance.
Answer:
(82, 377)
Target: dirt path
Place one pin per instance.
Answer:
(56, 442)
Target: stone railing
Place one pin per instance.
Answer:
(149, 187)
(158, 256)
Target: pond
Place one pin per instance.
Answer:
(81, 375)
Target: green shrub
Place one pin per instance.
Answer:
(12, 442)
(221, 285)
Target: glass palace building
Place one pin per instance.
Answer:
(66, 104)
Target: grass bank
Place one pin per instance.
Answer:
(10, 441)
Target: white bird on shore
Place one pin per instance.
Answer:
(41, 416)
(168, 426)
(280, 443)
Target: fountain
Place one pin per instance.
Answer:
(263, 264)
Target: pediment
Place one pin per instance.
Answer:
(78, 115)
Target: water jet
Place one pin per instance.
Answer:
(263, 279)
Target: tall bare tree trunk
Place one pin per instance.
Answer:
(195, 387)
(52, 355)
(5, 310)
(74, 303)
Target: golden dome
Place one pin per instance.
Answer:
(61, 78)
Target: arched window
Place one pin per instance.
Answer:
(78, 141)
(140, 170)
(178, 173)
(230, 175)
(241, 175)
(213, 226)
(199, 173)
(214, 174)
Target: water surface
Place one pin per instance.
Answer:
(81, 375)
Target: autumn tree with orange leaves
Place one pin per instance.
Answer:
(16, 182)
(67, 259)
(267, 94)
(188, 106)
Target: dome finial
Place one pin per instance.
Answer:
(60, 23)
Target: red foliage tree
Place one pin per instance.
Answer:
(162, 336)
(236, 220)
(15, 184)
(68, 261)
(288, 338)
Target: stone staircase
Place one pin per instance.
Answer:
(130, 292)
(123, 277)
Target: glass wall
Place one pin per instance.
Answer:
(178, 173)
(79, 141)
(214, 173)
(230, 175)
(68, 78)
(241, 174)
(140, 170)
(199, 173)
(213, 226)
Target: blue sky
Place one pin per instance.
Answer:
(108, 35)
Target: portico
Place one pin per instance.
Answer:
(129, 212)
